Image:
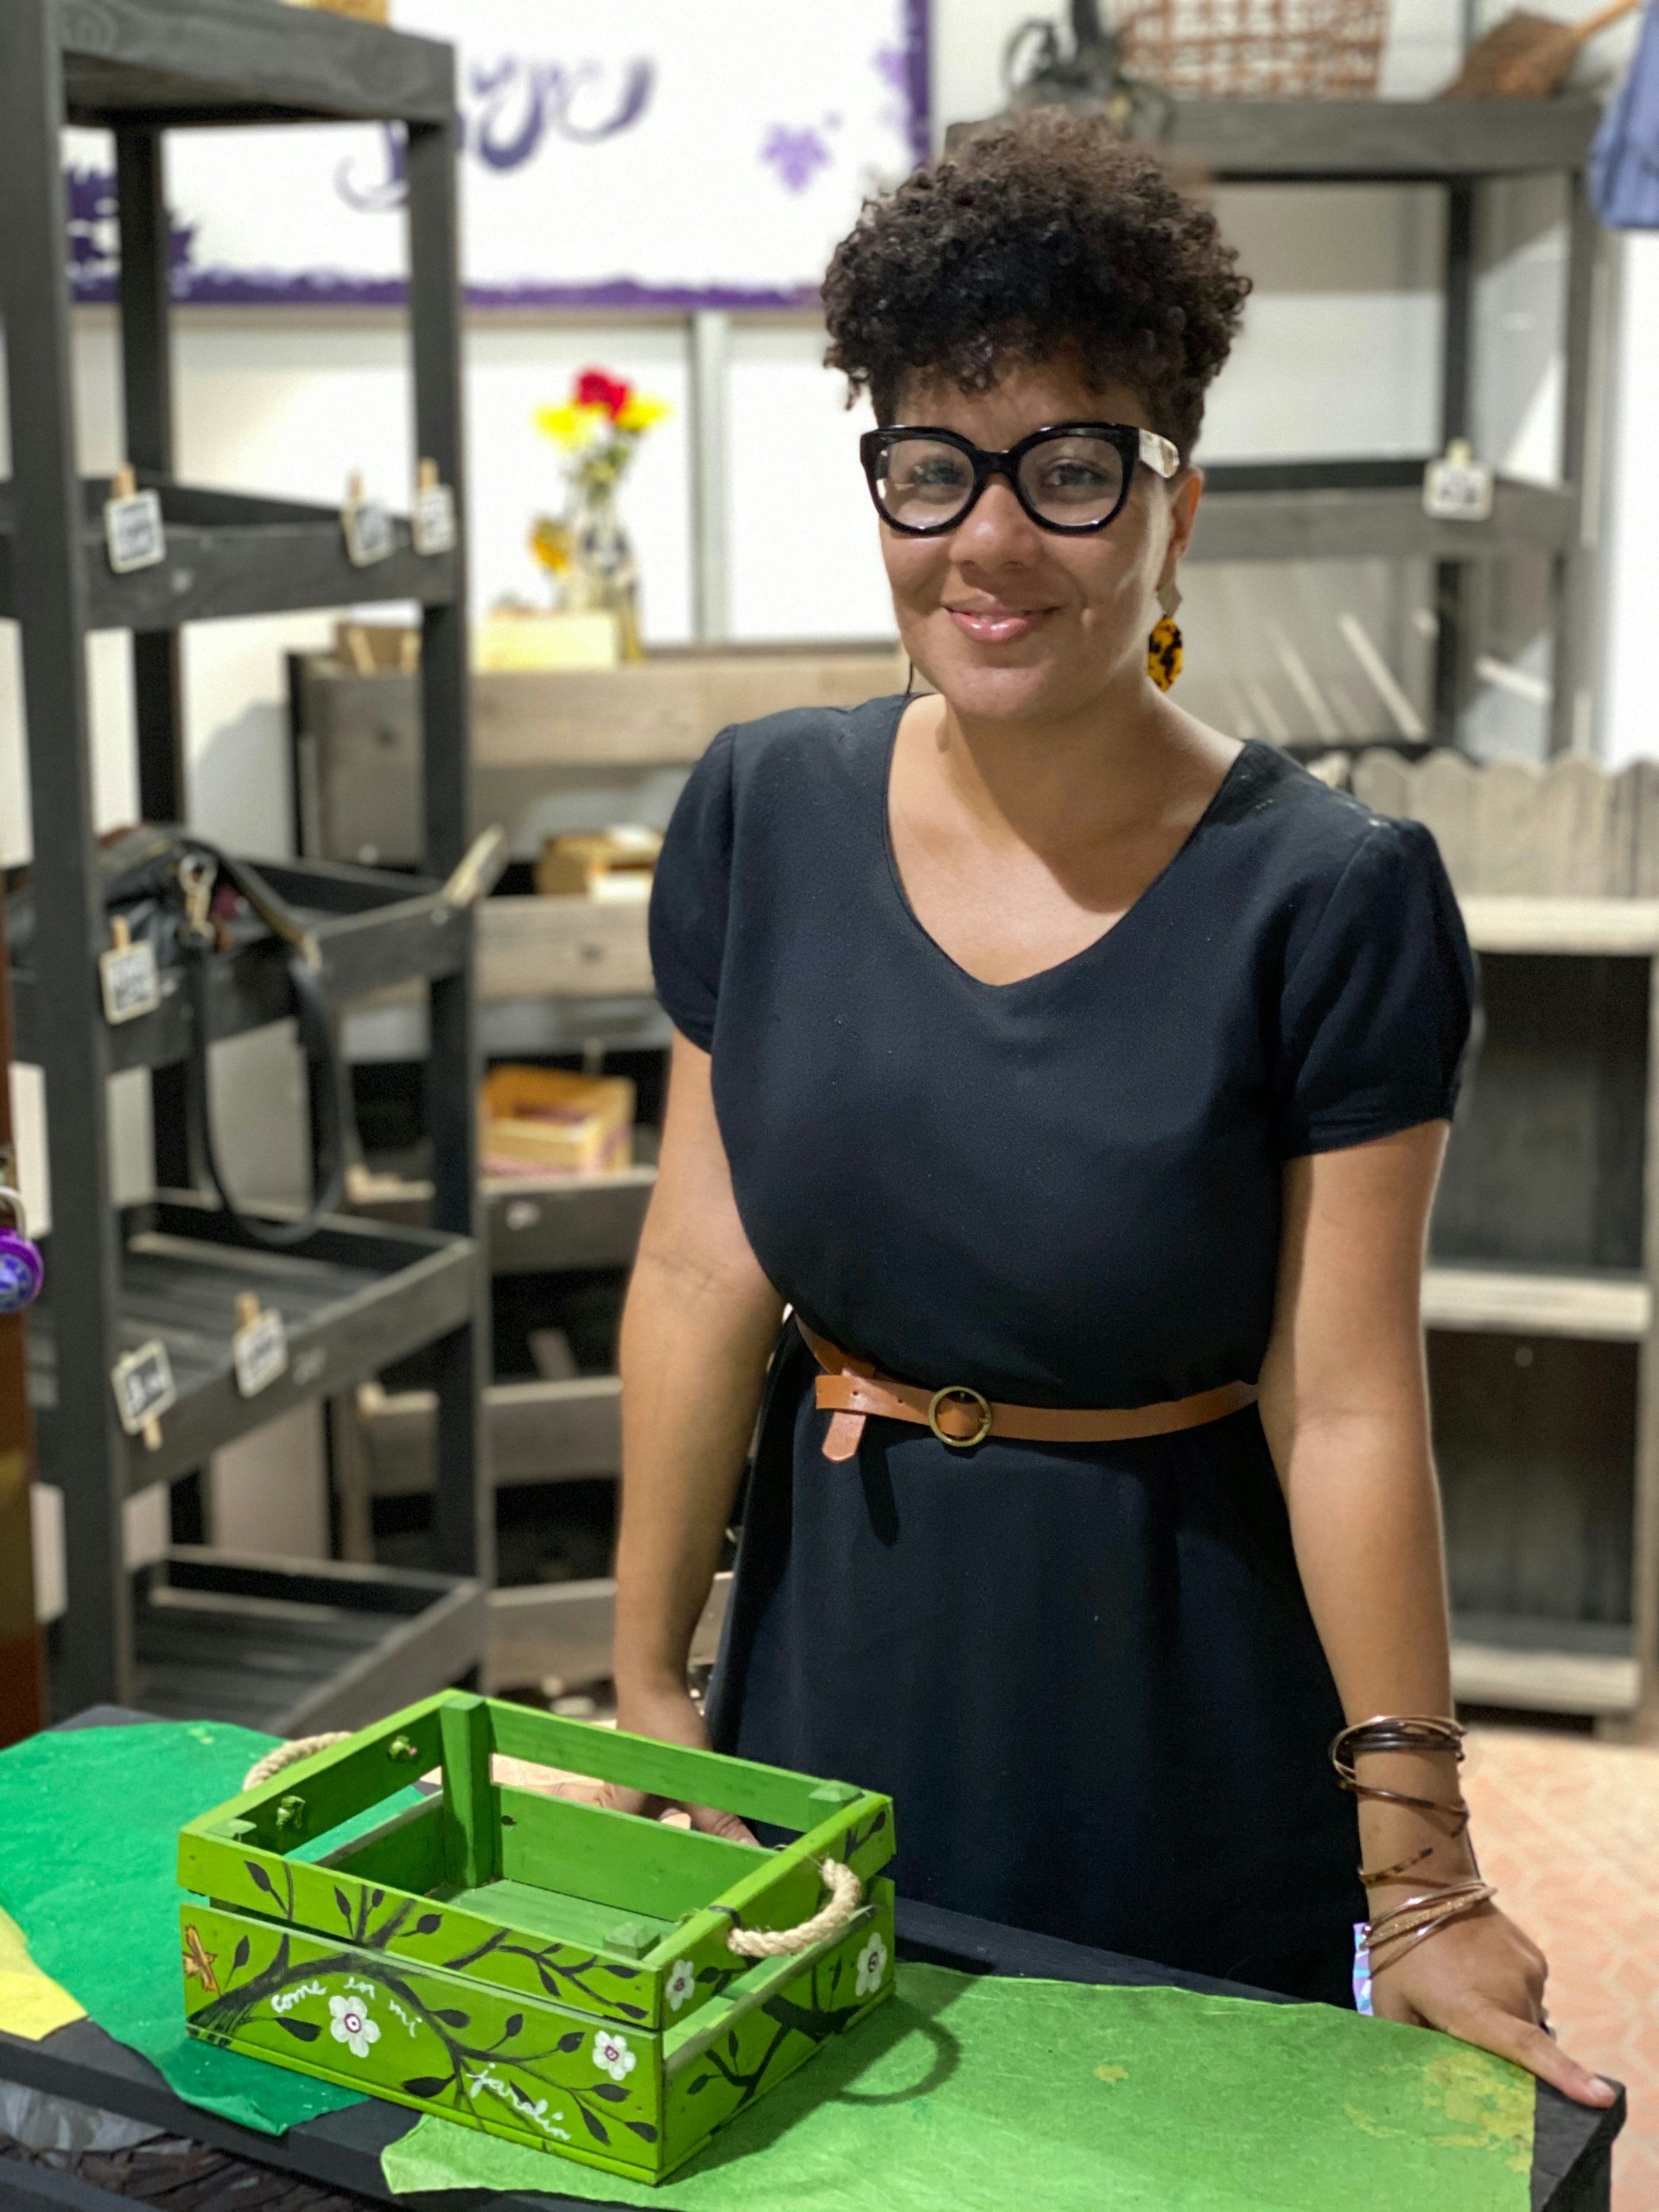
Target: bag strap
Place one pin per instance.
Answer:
(325, 1075)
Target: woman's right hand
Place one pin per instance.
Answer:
(672, 1716)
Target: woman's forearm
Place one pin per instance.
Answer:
(700, 1321)
(1365, 1517)
(694, 1352)
(1344, 1406)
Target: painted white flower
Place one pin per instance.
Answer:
(351, 2025)
(872, 1967)
(612, 2055)
(681, 1983)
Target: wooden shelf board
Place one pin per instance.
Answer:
(1585, 926)
(1381, 521)
(1611, 1307)
(220, 61)
(565, 1629)
(1543, 1681)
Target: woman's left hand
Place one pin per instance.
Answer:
(1482, 1979)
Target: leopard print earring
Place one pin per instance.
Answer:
(1164, 646)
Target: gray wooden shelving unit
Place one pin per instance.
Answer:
(314, 1643)
(1372, 509)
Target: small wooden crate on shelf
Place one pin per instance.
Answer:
(548, 1971)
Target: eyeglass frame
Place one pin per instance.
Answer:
(1158, 453)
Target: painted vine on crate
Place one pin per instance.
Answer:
(443, 2056)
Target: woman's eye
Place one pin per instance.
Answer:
(932, 476)
(1072, 476)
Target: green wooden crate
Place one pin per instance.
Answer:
(552, 1971)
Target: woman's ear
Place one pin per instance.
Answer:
(1184, 496)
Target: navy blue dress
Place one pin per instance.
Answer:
(1086, 1673)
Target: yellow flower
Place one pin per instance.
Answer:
(639, 413)
(572, 426)
(550, 541)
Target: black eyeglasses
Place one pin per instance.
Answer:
(1072, 477)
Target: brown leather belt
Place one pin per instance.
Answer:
(850, 1390)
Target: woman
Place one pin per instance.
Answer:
(1080, 1077)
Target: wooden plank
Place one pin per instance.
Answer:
(333, 1784)
(1616, 1307)
(617, 1859)
(1365, 138)
(565, 1630)
(1622, 927)
(739, 1786)
(1444, 790)
(1376, 525)
(470, 1941)
(1534, 1438)
(405, 1853)
(209, 60)
(580, 948)
(1573, 839)
(1644, 1511)
(471, 1827)
(1542, 1680)
(538, 1432)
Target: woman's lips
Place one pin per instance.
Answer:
(1003, 626)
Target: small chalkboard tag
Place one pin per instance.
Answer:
(134, 534)
(259, 1348)
(370, 534)
(128, 976)
(1457, 487)
(432, 525)
(144, 1390)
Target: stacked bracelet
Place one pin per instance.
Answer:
(1420, 1733)
(1391, 1935)
(1394, 1933)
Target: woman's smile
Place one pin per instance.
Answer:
(988, 622)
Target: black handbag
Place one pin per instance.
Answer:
(193, 904)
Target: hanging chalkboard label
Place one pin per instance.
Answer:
(432, 525)
(259, 1348)
(134, 534)
(370, 532)
(1457, 487)
(129, 977)
(144, 1390)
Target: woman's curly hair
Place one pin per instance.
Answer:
(1042, 235)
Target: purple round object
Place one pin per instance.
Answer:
(20, 1271)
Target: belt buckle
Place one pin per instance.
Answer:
(959, 1390)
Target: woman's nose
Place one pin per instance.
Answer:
(996, 527)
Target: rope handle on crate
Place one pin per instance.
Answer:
(281, 1755)
(846, 1895)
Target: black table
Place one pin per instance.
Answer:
(1572, 2168)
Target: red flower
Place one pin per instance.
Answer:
(595, 388)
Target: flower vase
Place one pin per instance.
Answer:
(603, 573)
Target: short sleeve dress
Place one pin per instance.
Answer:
(1086, 1673)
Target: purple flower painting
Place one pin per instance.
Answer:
(798, 155)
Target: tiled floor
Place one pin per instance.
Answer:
(1568, 1829)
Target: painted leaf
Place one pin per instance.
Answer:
(702, 2082)
(426, 2085)
(642, 2128)
(345, 1904)
(731, 2046)
(258, 1876)
(449, 2017)
(613, 2091)
(596, 2127)
(515, 2024)
(429, 1923)
(240, 1956)
(572, 2041)
(376, 1897)
(301, 2031)
(623, 1973)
